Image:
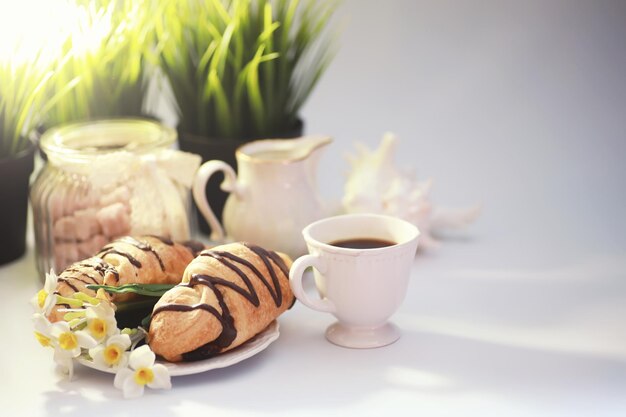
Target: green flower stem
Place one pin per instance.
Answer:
(74, 315)
(86, 298)
(72, 302)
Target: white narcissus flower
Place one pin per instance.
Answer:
(101, 321)
(143, 371)
(65, 364)
(42, 330)
(45, 299)
(68, 344)
(113, 353)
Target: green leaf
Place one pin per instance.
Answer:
(221, 100)
(151, 290)
(254, 90)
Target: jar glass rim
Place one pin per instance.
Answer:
(85, 140)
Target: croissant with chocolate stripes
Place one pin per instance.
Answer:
(128, 260)
(228, 295)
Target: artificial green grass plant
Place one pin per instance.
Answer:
(21, 89)
(108, 53)
(242, 68)
(23, 99)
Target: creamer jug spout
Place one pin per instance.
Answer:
(307, 146)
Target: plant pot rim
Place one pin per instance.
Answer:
(200, 139)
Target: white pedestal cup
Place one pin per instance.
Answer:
(362, 288)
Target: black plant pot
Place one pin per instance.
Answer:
(223, 150)
(14, 176)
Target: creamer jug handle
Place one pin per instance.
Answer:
(199, 193)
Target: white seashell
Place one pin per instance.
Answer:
(376, 185)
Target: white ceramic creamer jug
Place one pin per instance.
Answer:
(274, 197)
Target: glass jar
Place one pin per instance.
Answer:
(106, 179)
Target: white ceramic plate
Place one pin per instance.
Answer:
(231, 357)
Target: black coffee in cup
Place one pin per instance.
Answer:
(362, 243)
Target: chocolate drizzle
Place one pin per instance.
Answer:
(265, 257)
(103, 268)
(252, 296)
(144, 247)
(229, 332)
(82, 274)
(107, 250)
(67, 282)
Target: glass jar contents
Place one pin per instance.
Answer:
(107, 179)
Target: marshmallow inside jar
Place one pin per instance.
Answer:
(105, 179)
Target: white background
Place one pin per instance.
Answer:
(518, 105)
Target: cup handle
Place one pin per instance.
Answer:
(295, 280)
(199, 192)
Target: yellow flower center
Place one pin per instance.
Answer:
(112, 354)
(43, 340)
(68, 341)
(41, 297)
(98, 328)
(144, 376)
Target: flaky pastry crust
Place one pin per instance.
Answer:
(127, 260)
(228, 295)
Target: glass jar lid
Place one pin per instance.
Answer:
(82, 142)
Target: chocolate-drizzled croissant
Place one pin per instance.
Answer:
(228, 295)
(128, 260)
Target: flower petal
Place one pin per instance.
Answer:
(142, 357)
(62, 353)
(50, 285)
(85, 340)
(161, 379)
(41, 324)
(123, 363)
(112, 329)
(65, 364)
(121, 376)
(49, 304)
(75, 353)
(122, 340)
(58, 328)
(132, 389)
(90, 313)
(97, 356)
(97, 310)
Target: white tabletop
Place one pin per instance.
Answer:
(516, 105)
